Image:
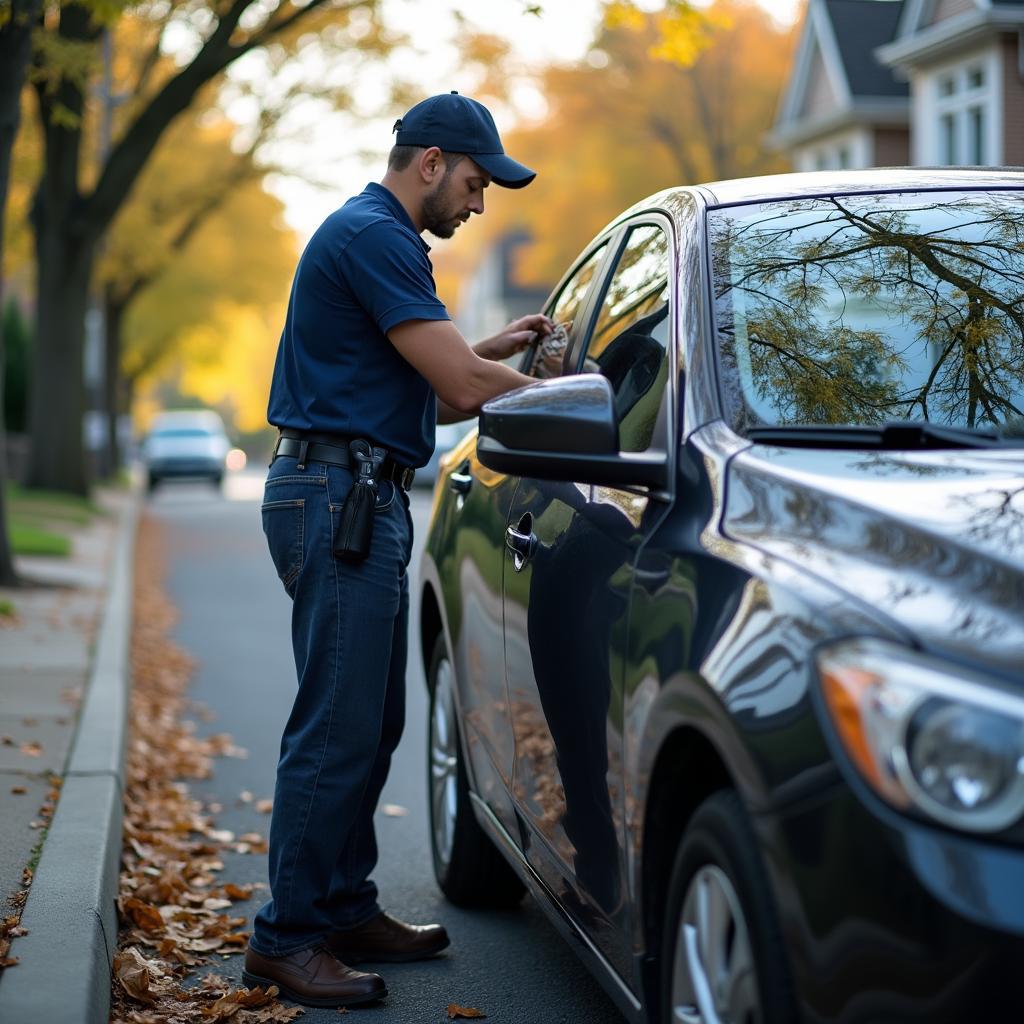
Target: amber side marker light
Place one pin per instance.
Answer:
(849, 694)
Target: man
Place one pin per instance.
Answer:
(368, 353)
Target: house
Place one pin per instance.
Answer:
(886, 82)
(965, 63)
(842, 108)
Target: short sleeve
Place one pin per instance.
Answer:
(390, 275)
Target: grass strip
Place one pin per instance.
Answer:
(33, 504)
(34, 540)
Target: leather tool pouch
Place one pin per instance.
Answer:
(355, 531)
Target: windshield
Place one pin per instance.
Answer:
(866, 309)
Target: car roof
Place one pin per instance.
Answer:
(205, 419)
(674, 201)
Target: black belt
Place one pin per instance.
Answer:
(333, 450)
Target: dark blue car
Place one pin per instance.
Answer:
(724, 619)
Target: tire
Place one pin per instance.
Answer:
(720, 890)
(468, 867)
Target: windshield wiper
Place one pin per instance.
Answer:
(896, 436)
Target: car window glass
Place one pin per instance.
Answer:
(872, 308)
(630, 340)
(567, 310)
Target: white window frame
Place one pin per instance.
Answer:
(827, 154)
(943, 119)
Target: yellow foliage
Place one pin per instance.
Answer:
(623, 14)
(228, 361)
(621, 126)
(685, 33)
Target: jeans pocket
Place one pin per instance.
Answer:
(283, 524)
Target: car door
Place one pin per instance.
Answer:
(481, 503)
(567, 579)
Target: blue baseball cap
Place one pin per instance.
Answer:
(458, 124)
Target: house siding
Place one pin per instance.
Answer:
(1013, 103)
(950, 9)
(821, 97)
(892, 147)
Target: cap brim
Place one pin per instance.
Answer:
(504, 170)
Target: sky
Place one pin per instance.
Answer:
(343, 154)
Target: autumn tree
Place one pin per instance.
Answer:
(671, 97)
(72, 209)
(197, 269)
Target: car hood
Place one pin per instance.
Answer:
(932, 540)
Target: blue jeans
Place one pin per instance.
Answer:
(349, 625)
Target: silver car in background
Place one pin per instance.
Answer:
(186, 443)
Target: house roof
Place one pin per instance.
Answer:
(859, 27)
(837, 81)
(918, 39)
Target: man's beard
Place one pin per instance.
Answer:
(438, 218)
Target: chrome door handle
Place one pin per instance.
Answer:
(522, 545)
(460, 483)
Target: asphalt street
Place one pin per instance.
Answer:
(511, 965)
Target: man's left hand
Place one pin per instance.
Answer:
(515, 337)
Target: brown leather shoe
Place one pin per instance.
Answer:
(383, 939)
(313, 977)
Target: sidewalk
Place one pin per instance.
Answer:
(63, 692)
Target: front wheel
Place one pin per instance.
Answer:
(724, 961)
(469, 869)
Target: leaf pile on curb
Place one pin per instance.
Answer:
(173, 912)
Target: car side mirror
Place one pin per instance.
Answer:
(564, 429)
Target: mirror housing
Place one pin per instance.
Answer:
(564, 429)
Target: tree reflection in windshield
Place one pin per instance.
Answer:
(863, 309)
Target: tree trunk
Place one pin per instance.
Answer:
(15, 50)
(58, 389)
(113, 385)
(65, 251)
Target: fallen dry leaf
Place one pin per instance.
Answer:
(9, 961)
(32, 748)
(237, 892)
(135, 974)
(394, 811)
(18, 790)
(6, 741)
(264, 806)
(145, 915)
(464, 1012)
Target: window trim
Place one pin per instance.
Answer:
(667, 422)
(933, 110)
(587, 310)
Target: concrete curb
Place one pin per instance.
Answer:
(65, 960)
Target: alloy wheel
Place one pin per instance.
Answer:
(444, 764)
(713, 975)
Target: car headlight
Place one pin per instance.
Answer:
(927, 735)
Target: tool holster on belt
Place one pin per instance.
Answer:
(352, 541)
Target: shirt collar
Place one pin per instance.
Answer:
(392, 203)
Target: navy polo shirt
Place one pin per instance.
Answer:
(364, 271)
